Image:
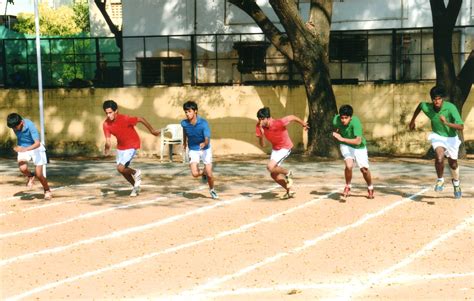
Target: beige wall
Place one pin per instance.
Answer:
(74, 117)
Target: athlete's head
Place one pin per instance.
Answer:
(14, 121)
(345, 114)
(190, 109)
(263, 116)
(438, 94)
(110, 108)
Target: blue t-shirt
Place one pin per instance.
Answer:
(197, 133)
(28, 134)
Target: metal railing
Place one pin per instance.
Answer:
(396, 55)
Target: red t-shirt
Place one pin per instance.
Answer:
(277, 134)
(123, 128)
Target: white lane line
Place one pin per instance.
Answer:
(308, 244)
(331, 286)
(103, 194)
(52, 204)
(30, 194)
(81, 216)
(422, 278)
(140, 259)
(131, 230)
(376, 279)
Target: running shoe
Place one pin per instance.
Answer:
(287, 195)
(457, 191)
(439, 186)
(135, 192)
(346, 192)
(213, 194)
(289, 179)
(138, 178)
(48, 195)
(370, 194)
(30, 182)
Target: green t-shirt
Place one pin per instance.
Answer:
(449, 111)
(351, 131)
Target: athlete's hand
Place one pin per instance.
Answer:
(156, 132)
(306, 126)
(202, 145)
(411, 126)
(443, 119)
(18, 149)
(337, 136)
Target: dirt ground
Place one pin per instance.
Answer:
(173, 242)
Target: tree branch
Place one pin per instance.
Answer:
(452, 12)
(113, 28)
(276, 37)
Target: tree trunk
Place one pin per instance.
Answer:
(322, 108)
(458, 88)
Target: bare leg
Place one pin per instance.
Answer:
(210, 176)
(24, 169)
(41, 177)
(127, 173)
(348, 170)
(439, 161)
(277, 173)
(367, 176)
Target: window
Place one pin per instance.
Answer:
(156, 71)
(251, 56)
(348, 48)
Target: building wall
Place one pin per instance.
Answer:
(73, 118)
(164, 17)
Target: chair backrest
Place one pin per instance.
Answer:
(175, 130)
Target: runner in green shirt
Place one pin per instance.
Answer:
(445, 122)
(348, 131)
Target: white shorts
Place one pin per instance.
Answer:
(37, 156)
(357, 154)
(280, 155)
(450, 144)
(125, 156)
(196, 156)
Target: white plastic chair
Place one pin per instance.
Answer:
(170, 135)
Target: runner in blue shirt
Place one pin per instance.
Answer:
(197, 137)
(29, 148)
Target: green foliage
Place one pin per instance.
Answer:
(53, 22)
(81, 15)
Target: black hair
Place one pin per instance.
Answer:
(263, 113)
(438, 91)
(346, 110)
(190, 105)
(13, 120)
(110, 104)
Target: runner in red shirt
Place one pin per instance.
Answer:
(128, 141)
(275, 131)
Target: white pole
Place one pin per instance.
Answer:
(40, 76)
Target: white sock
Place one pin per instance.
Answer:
(371, 187)
(456, 182)
(441, 179)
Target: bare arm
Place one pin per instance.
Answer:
(148, 126)
(294, 118)
(353, 141)
(261, 140)
(108, 143)
(185, 139)
(27, 148)
(202, 145)
(415, 114)
(455, 126)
